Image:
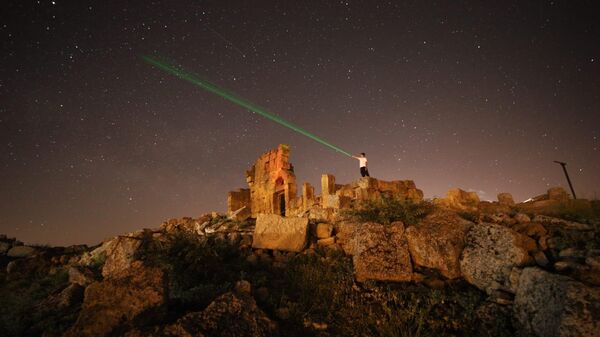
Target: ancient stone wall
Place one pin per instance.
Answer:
(272, 182)
(238, 199)
(272, 190)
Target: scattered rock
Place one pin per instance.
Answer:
(571, 253)
(319, 326)
(532, 229)
(115, 302)
(555, 305)
(593, 262)
(564, 266)
(490, 253)
(381, 253)
(277, 232)
(4, 247)
(541, 259)
(438, 241)
(434, 283)
(228, 315)
(324, 230)
(12, 266)
(21, 251)
(326, 242)
(243, 287)
(522, 218)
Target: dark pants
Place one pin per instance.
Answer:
(364, 172)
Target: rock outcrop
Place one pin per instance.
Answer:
(490, 253)
(277, 232)
(111, 305)
(550, 305)
(21, 251)
(381, 253)
(120, 254)
(228, 315)
(506, 199)
(458, 199)
(438, 241)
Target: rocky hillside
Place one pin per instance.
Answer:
(453, 267)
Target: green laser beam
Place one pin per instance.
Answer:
(210, 87)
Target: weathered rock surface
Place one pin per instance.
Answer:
(381, 253)
(228, 315)
(490, 253)
(4, 247)
(549, 305)
(120, 254)
(324, 230)
(438, 241)
(276, 232)
(506, 199)
(112, 304)
(522, 218)
(344, 234)
(21, 251)
(81, 276)
(459, 199)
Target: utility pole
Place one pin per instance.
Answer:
(564, 167)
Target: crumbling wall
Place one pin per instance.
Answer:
(238, 199)
(272, 182)
(272, 190)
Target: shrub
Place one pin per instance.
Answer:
(471, 216)
(388, 209)
(199, 268)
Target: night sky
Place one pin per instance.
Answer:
(479, 95)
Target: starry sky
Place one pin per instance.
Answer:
(482, 95)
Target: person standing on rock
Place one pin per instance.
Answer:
(362, 162)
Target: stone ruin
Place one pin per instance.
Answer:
(273, 190)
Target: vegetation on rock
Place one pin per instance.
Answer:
(387, 210)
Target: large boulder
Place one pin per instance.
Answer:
(21, 251)
(550, 305)
(111, 305)
(228, 315)
(381, 253)
(344, 235)
(120, 254)
(4, 247)
(490, 253)
(438, 241)
(506, 199)
(280, 233)
(459, 199)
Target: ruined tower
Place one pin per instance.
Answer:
(272, 185)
